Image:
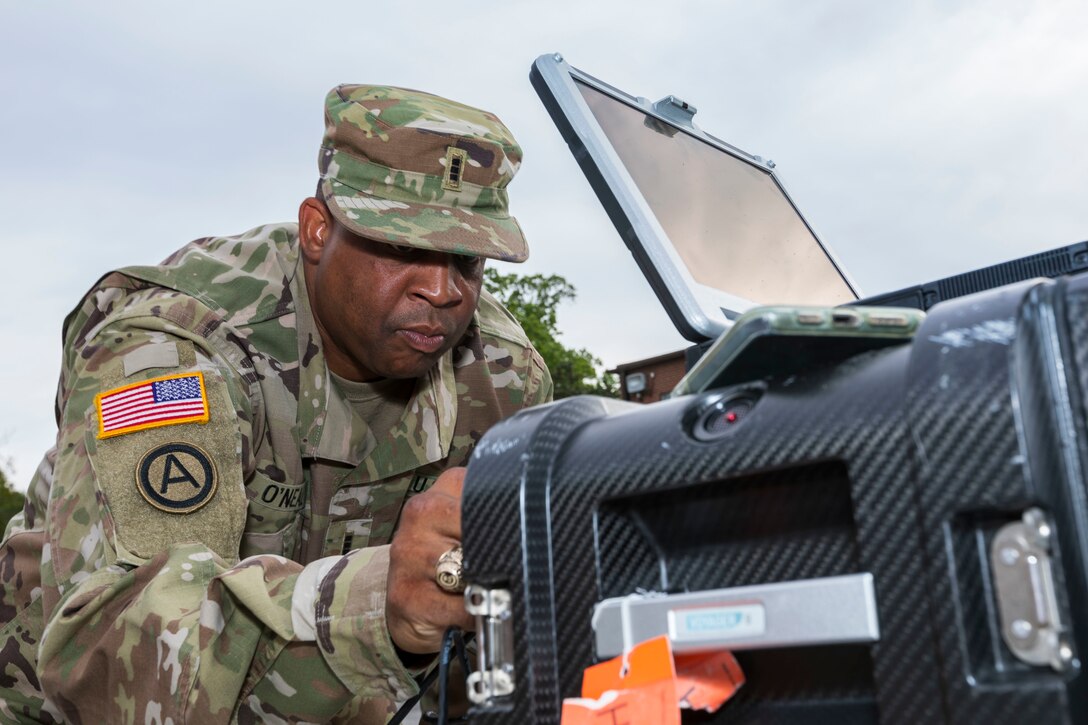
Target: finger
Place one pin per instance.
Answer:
(423, 635)
(431, 518)
(420, 561)
(450, 611)
(418, 611)
(437, 510)
(452, 484)
(451, 481)
(419, 545)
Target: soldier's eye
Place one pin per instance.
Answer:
(470, 266)
(403, 250)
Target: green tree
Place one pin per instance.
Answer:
(534, 299)
(11, 501)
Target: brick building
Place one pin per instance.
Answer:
(646, 381)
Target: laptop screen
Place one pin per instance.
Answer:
(711, 227)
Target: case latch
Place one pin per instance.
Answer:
(678, 111)
(1024, 584)
(494, 675)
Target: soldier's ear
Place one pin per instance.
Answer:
(314, 227)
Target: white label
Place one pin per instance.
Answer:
(708, 624)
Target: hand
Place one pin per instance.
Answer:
(417, 611)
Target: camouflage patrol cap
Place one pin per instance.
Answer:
(406, 167)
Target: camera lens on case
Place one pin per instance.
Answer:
(725, 415)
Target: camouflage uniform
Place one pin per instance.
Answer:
(232, 565)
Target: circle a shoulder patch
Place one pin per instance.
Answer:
(178, 478)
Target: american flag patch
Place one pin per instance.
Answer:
(168, 400)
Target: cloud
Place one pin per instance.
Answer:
(921, 138)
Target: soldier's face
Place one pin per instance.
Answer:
(385, 311)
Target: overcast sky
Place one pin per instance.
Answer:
(921, 139)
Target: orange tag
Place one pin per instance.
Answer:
(638, 687)
(705, 681)
(646, 663)
(651, 703)
(650, 685)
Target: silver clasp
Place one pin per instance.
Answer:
(1031, 623)
(494, 675)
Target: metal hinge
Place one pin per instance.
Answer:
(494, 675)
(1031, 623)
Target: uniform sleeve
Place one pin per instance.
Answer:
(539, 387)
(149, 614)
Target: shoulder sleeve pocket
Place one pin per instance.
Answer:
(165, 446)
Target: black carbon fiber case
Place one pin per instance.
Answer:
(902, 462)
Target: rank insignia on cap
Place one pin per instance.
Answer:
(177, 478)
(168, 400)
(455, 167)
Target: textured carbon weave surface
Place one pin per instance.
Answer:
(977, 381)
(847, 415)
(711, 536)
(1074, 534)
(507, 540)
(542, 587)
(491, 525)
(931, 475)
(1054, 445)
(1070, 489)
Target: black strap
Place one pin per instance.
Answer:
(452, 641)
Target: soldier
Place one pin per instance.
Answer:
(241, 426)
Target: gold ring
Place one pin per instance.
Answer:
(448, 571)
